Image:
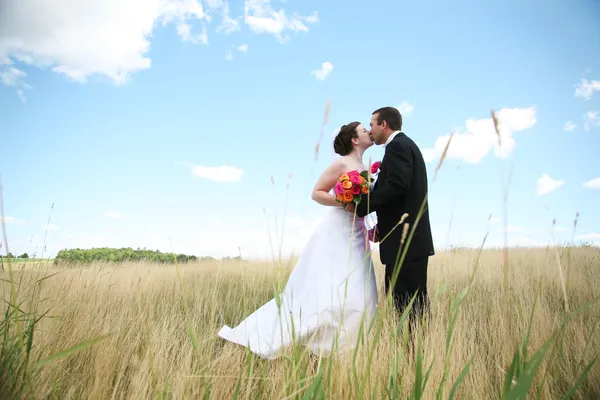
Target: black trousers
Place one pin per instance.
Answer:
(412, 279)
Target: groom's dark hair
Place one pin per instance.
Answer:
(390, 115)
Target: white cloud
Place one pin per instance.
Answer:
(585, 89)
(588, 236)
(262, 18)
(313, 18)
(184, 30)
(591, 119)
(592, 183)
(247, 230)
(297, 232)
(525, 241)
(228, 25)
(324, 71)
(114, 214)
(570, 126)
(308, 229)
(430, 154)
(215, 4)
(480, 136)
(50, 227)
(547, 184)
(405, 108)
(250, 234)
(86, 37)
(111, 39)
(14, 77)
(301, 232)
(242, 48)
(513, 239)
(21, 95)
(12, 221)
(224, 173)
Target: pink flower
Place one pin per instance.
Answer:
(355, 178)
(339, 189)
(353, 173)
(355, 189)
(375, 167)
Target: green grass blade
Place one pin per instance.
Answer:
(71, 350)
(510, 374)
(460, 378)
(238, 386)
(192, 335)
(315, 390)
(579, 381)
(524, 382)
(418, 384)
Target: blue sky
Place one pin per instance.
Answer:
(160, 123)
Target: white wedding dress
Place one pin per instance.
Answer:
(329, 294)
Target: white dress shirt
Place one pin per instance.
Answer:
(392, 136)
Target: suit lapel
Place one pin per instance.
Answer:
(382, 173)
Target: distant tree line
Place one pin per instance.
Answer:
(110, 255)
(11, 255)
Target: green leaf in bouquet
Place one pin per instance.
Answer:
(365, 174)
(357, 199)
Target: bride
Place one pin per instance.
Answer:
(332, 289)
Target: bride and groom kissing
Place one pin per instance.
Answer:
(332, 290)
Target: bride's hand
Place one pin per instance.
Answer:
(349, 207)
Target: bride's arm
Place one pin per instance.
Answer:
(326, 182)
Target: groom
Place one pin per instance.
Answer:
(401, 187)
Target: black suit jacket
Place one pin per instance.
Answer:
(400, 188)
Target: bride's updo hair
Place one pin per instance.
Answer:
(342, 144)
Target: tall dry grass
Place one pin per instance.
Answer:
(162, 324)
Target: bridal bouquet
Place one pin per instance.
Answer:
(350, 186)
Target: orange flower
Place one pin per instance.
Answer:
(365, 189)
(346, 184)
(344, 177)
(340, 197)
(348, 196)
(362, 179)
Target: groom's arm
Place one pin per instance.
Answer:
(398, 177)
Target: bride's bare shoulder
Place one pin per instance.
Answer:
(344, 164)
(341, 164)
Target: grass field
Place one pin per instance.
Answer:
(162, 322)
(18, 261)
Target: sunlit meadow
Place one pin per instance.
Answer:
(157, 330)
